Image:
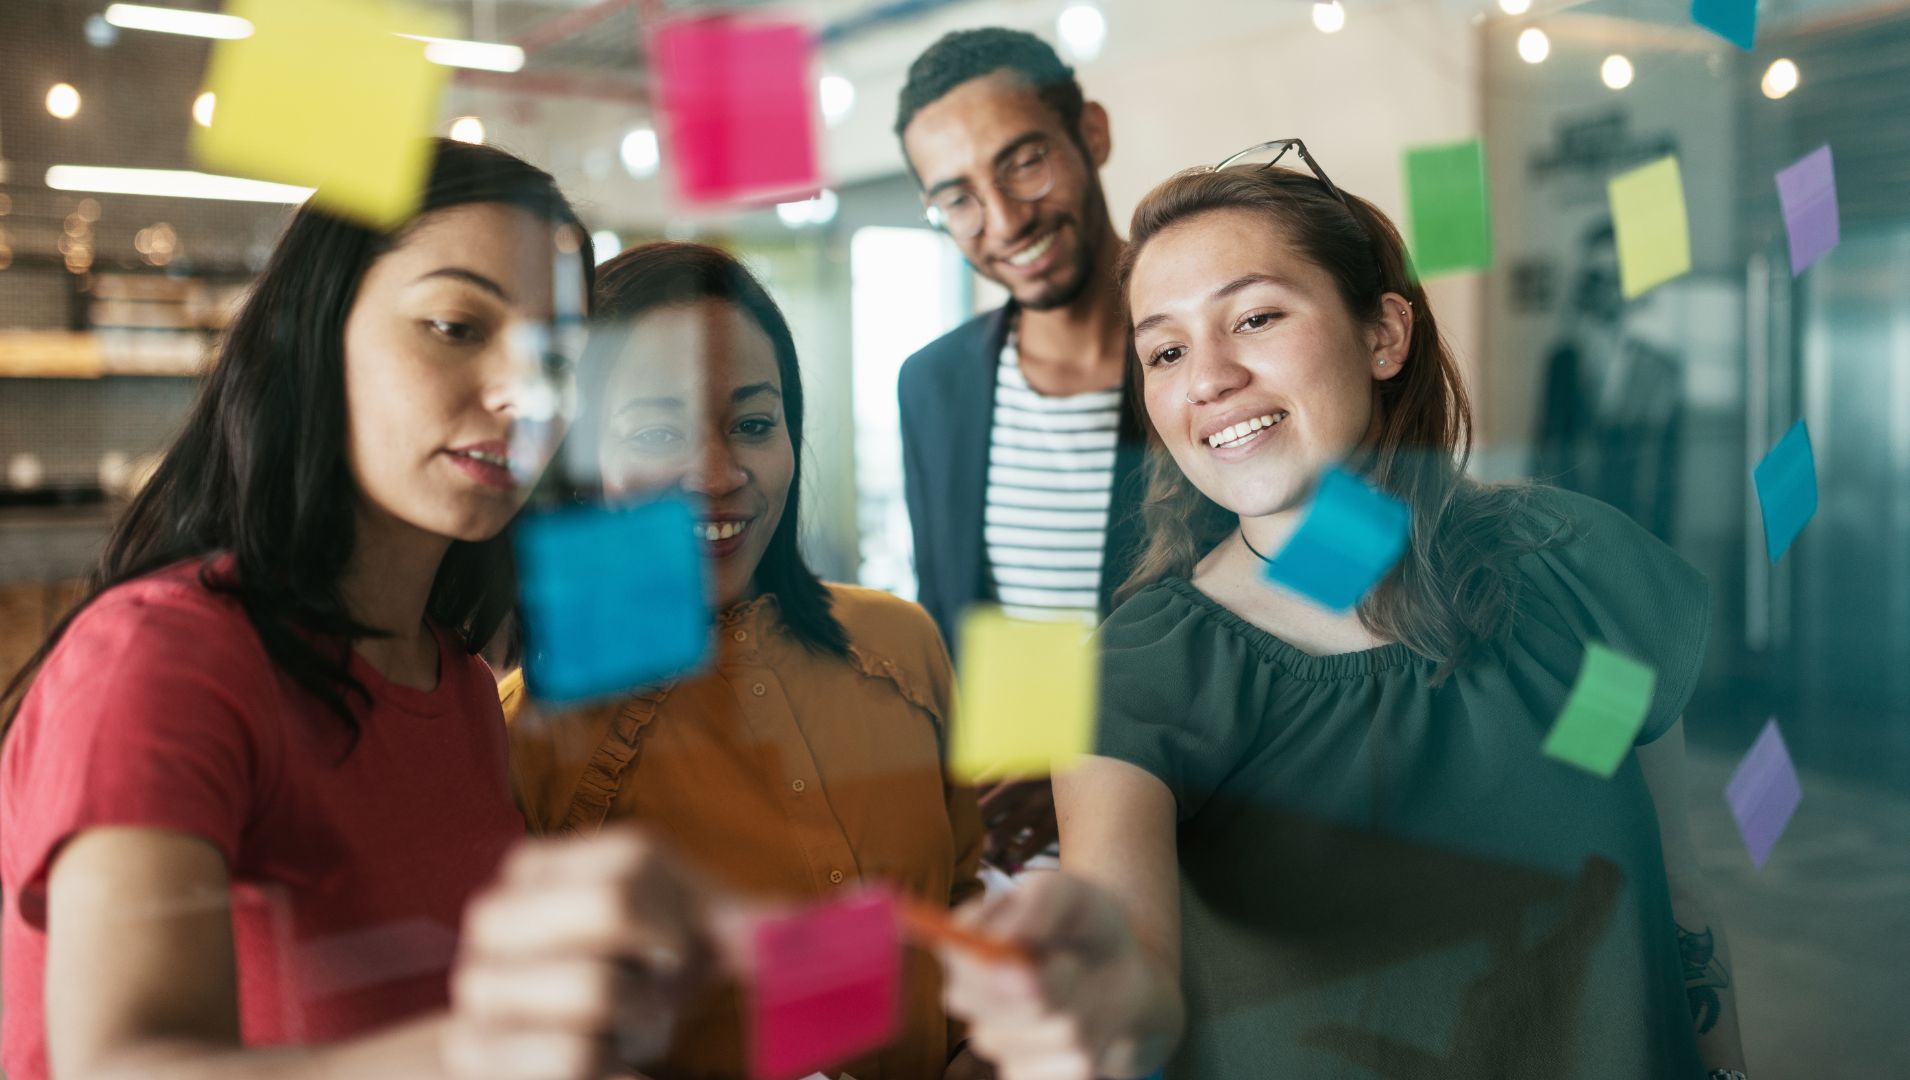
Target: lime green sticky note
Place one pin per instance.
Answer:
(1450, 214)
(1602, 716)
(1654, 237)
(1025, 700)
(325, 94)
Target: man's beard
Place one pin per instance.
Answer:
(1087, 251)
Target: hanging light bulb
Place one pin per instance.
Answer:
(837, 96)
(1534, 46)
(1329, 17)
(1780, 78)
(63, 101)
(1616, 71)
(1082, 30)
(202, 107)
(467, 129)
(640, 153)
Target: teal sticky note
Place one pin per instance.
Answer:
(1604, 712)
(1449, 213)
(1786, 482)
(613, 597)
(1733, 20)
(1351, 536)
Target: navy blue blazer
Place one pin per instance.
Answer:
(947, 393)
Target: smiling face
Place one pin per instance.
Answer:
(435, 373)
(695, 403)
(986, 130)
(1255, 374)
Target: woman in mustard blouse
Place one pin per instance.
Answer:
(808, 758)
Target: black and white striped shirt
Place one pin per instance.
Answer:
(1050, 476)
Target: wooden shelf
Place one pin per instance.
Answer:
(50, 354)
(95, 354)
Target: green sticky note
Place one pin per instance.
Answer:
(325, 94)
(1604, 713)
(1451, 215)
(1654, 237)
(1025, 699)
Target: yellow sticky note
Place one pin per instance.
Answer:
(1654, 237)
(1025, 702)
(325, 94)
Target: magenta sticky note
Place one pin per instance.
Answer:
(1808, 192)
(737, 108)
(824, 986)
(1763, 793)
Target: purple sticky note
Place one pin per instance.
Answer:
(1808, 192)
(824, 986)
(1763, 793)
(737, 108)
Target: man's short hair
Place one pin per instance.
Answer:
(971, 54)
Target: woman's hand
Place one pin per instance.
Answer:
(1069, 1013)
(575, 962)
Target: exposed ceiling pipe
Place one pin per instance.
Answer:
(560, 84)
(553, 30)
(878, 16)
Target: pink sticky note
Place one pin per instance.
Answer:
(825, 986)
(736, 108)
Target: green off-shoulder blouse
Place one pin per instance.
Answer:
(1384, 878)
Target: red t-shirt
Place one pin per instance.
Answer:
(160, 707)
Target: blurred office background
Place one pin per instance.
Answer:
(108, 304)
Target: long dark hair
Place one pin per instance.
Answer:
(1455, 588)
(259, 470)
(657, 275)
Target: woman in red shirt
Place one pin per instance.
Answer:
(253, 783)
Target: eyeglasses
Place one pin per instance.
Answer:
(1026, 177)
(1278, 149)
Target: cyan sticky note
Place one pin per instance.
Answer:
(1025, 697)
(614, 597)
(1786, 482)
(1763, 793)
(1807, 190)
(737, 107)
(824, 985)
(1654, 235)
(327, 95)
(1450, 215)
(1733, 20)
(1604, 712)
(1351, 536)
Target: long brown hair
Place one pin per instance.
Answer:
(258, 469)
(1454, 589)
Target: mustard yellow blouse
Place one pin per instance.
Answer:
(786, 774)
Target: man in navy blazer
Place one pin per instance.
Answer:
(1007, 153)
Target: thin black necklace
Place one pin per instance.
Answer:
(1255, 550)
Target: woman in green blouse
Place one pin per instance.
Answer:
(1328, 845)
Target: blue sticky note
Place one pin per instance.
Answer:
(1786, 489)
(1351, 536)
(1808, 192)
(1733, 20)
(614, 598)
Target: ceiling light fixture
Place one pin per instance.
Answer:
(174, 183)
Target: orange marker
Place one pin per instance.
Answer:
(931, 925)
